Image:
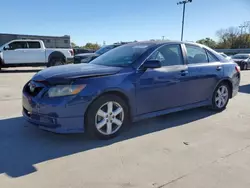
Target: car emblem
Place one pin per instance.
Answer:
(32, 87)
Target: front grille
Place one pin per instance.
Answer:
(51, 121)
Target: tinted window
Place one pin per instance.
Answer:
(17, 45)
(168, 55)
(196, 54)
(211, 57)
(104, 49)
(34, 44)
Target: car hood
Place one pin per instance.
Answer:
(66, 73)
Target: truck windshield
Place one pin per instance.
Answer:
(121, 56)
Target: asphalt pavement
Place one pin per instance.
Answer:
(194, 149)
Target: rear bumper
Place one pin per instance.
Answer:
(236, 84)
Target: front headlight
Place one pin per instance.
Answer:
(65, 90)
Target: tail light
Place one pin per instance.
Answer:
(237, 68)
(71, 52)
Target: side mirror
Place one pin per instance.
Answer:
(6, 47)
(151, 64)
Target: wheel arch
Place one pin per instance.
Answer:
(120, 94)
(56, 54)
(229, 83)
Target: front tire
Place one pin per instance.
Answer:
(106, 117)
(220, 97)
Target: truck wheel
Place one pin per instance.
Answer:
(55, 62)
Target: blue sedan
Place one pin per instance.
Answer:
(129, 83)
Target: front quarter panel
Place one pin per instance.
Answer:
(123, 82)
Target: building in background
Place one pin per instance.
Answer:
(49, 41)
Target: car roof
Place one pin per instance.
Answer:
(164, 42)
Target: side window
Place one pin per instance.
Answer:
(34, 45)
(168, 55)
(196, 54)
(17, 45)
(211, 58)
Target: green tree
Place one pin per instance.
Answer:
(232, 38)
(92, 46)
(73, 45)
(208, 42)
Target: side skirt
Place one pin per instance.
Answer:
(168, 111)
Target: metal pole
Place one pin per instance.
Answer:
(183, 20)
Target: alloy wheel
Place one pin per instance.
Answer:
(109, 118)
(221, 97)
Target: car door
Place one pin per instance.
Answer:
(14, 52)
(35, 53)
(160, 88)
(204, 71)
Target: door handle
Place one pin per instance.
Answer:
(218, 68)
(184, 72)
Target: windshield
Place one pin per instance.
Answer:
(122, 56)
(104, 49)
(240, 56)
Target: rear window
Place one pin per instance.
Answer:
(34, 44)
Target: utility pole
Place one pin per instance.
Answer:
(183, 14)
(241, 29)
(241, 33)
(247, 24)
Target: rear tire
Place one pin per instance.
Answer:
(106, 117)
(220, 97)
(55, 62)
(245, 66)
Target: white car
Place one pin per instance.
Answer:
(33, 53)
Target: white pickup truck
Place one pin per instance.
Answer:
(33, 53)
